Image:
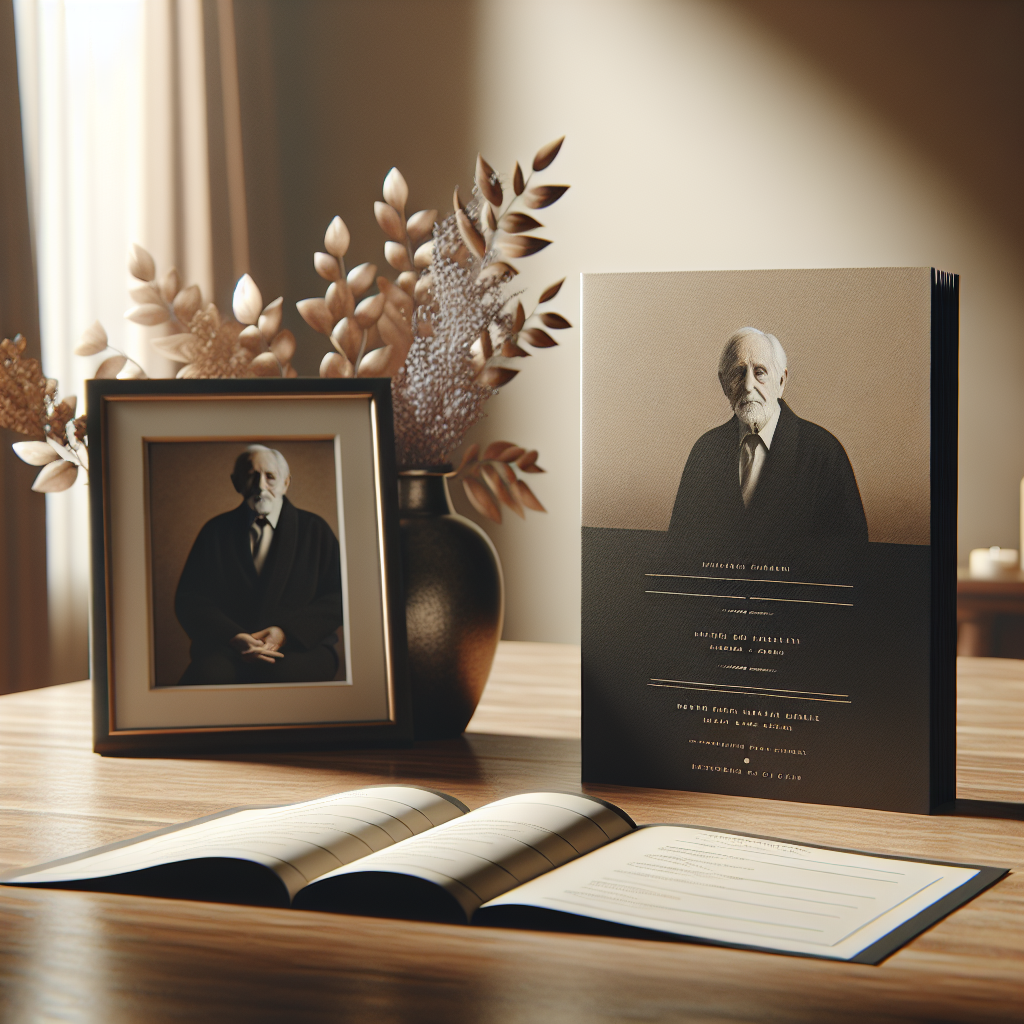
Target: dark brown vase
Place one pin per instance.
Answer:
(454, 604)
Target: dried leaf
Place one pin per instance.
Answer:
(82, 450)
(397, 255)
(550, 292)
(511, 453)
(396, 333)
(316, 314)
(555, 321)
(539, 196)
(376, 363)
(396, 191)
(93, 340)
(340, 300)
(421, 293)
(360, 278)
(546, 154)
(327, 266)
(390, 221)
(66, 409)
(140, 264)
(246, 303)
(469, 456)
(514, 222)
(170, 285)
(487, 181)
(35, 453)
(147, 294)
(283, 346)
(424, 254)
(149, 314)
(62, 451)
(187, 303)
(501, 489)
(517, 246)
(481, 499)
(269, 322)
(537, 338)
(492, 222)
(337, 238)
(347, 338)
(396, 297)
(407, 282)
(133, 371)
(473, 239)
(252, 339)
(369, 310)
(457, 200)
(527, 460)
(518, 320)
(510, 350)
(495, 448)
(494, 273)
(266, 365)
(517, 180)
(336, 365)
(110, 368)
(177, 346)
(421, 224)
(527, 497)
(57, 476)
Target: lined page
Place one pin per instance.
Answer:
(743, 890)
(298, 841)
(499, 846)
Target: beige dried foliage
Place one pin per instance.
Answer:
(170, 285)
(390, 221)
(269, 322)
(337, 238)
(546, 154)
(246, 303)
(187, 303)
(149, 314)
(140, 264)
(316, 314)
(421, 224)
(360, 278)
(396, 191)
(93, 340)
(327, 266)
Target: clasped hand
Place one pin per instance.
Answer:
(263, 645)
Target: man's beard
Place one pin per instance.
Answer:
(753, 415)
(263, 504)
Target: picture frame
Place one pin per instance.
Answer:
(219, 506)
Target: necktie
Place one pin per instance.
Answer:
(748, 480)
(260, 535)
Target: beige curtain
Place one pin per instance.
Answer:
(129, 114)
(24, 652)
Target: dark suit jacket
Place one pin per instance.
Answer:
(806, 494)
(220, 594)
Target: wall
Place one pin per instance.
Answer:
(700, 135)
(759, 134)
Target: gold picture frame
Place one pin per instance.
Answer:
(162, 455)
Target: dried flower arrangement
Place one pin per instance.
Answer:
(445, 332)
(447, 329)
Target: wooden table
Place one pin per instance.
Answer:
(990, 616)
(89, 957)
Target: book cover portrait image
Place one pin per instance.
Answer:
(769, 514)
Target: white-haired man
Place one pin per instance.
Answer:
(767, 475)
(260, 594)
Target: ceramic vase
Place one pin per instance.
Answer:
(455, 604)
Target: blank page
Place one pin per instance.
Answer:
(743, 890)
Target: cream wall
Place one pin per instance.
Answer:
(713, 135)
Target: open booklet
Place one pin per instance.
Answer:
(558, 861)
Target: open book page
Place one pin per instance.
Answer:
(492, 849)
(741, 890)
(297, 842)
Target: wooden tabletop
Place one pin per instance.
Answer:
(101, 958)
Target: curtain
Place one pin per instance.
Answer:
(120, 148)
(24, 655)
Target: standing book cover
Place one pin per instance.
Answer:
(769, 518)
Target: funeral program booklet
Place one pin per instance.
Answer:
(769, 514)
(537, 860)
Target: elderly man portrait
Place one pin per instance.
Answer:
(767, 476)
(260, 594)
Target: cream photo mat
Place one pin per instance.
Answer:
(366, 693)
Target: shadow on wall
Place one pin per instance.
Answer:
(332, 96)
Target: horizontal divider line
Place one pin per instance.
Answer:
(744, 686)
(680, 593)
(747, 579)
(796, 600)
(734, 693)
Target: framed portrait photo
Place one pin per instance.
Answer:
(246, 588)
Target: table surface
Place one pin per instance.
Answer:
(71, 956)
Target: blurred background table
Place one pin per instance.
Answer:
(989, 616)
(92, 957)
